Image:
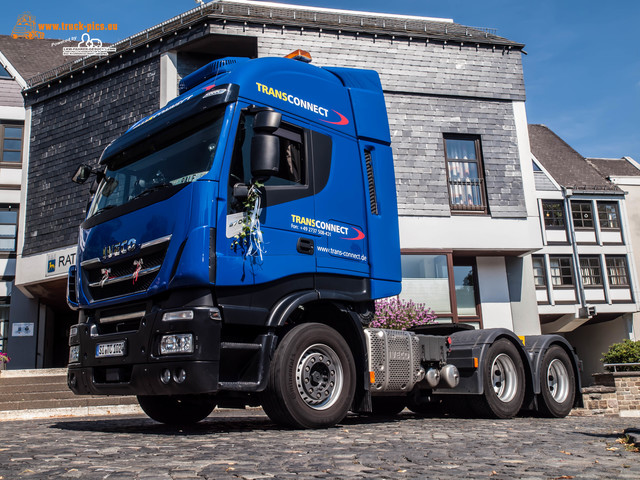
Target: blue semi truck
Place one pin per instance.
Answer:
(234, 246)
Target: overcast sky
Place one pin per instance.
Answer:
(582, 68)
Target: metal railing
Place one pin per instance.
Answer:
(615, 365)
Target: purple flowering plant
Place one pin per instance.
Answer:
(4, 358)
(397, 314)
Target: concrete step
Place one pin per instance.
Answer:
(21, 396)
(76, 402)
(8, 381)
(34, 388)
(44, 393)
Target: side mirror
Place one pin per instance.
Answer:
(265, 155)
(265, 147)
(267, 121)
(82, 174)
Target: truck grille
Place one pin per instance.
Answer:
(132, 274)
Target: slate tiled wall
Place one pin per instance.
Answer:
(431, 89)
(72, 129)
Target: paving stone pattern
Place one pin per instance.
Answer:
(247, 445)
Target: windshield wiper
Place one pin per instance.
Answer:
(154, 188)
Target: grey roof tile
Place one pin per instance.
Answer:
(566, 166)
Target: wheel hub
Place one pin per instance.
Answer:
(558, 380)
(504, 378)
(319, 376)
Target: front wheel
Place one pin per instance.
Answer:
(177, 409)
(557, 383)
(504, 382)
(311, 379)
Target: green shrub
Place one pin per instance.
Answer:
(623, 352)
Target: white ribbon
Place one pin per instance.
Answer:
(255, 234)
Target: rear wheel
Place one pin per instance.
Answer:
(177, 409)
(557, 383)
(504, 382)
(311, 379)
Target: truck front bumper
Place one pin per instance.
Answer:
(137, 366)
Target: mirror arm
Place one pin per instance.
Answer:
(240, 191)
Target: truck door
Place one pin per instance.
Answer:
(287, 253)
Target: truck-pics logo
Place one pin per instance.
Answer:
(325, 228)
(26, 27)
(298, 102)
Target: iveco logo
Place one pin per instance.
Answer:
(120, 248)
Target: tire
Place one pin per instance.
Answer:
(504, 382)
(177, 409)
(388, 406)
(557, 383)
(311, 378)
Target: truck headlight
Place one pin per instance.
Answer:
(74, 354)
(176, 343)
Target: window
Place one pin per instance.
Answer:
(11, 142)
(464, 276)
(539, 275)
(536, 168)
(617, 271)
(561, 271)
(590, 271)
(553, 214)
(4, 73)
(464, 172)
(425, 279)
(4, 322)
(292, 171)
(8, 226)
(608, 215)
(446, 284)
(582, 215)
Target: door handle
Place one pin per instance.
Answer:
(305, 245)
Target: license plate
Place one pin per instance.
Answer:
(111, 349)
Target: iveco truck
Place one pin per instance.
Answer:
(232, 252)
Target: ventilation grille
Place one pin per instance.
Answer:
(372, 182)
(394, 357)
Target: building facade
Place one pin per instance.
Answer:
(455, 99)
(19, 60)
(585, 276)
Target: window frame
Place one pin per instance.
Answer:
(3, 126)
(552, 258)
(591, 271)
(276, 192)
(625, 265)
(556, 223)
(542, 275)
(4, 253)
(579, 223)
(457, 208)
(605, 223)
(453, 301)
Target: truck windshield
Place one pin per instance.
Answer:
(166, 161)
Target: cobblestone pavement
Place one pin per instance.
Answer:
(233, 444)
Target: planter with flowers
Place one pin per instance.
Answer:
(397, 314)
(4, 359)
